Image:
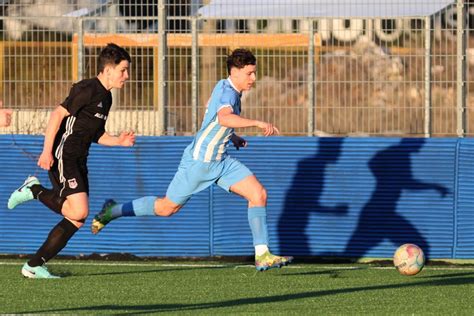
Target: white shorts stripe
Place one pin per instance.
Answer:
(59, 151)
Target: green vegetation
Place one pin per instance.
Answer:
(152, 287)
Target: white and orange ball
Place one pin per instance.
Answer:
(409, 259)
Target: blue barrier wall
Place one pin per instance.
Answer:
(354, 197)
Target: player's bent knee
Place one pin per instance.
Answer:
(166, 212)
(166, 208)
(259, 197)
(78, 216)
(78, 224)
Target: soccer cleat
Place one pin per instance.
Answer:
(103, 217)
(40, 272)
(22, 194)
(268, 261)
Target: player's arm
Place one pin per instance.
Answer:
(227, 118)
(5, 116)
(45, 160)
(125, 139)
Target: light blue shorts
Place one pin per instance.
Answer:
(194, 176)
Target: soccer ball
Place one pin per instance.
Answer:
(409, 259)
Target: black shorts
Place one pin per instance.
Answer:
(69, 176)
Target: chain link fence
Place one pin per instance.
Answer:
(373, 68)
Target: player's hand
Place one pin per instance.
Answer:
(268, 129)
(46, 160)
(238, 142)
(127, 139)
(5, 116)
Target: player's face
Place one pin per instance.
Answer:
(118, 75)
(244, 78)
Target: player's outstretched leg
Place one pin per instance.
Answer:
(268, 261)
(22, 194)
(39, 272)
(264, 259)
(103, 217)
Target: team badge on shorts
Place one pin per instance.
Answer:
(72, 183)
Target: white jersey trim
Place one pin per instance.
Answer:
(221, 149)
(232, 84)
(225, 106)
(201, 139)
(213, 143)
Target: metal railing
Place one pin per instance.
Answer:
(408, 76)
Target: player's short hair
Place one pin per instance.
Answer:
(112, 54)
(240, 58)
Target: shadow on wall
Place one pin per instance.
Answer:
(378, 220)
(303, 197)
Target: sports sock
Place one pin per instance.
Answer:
(260, 249)
(257, 217)
(48, 197)
(144, 206)
(56, 241)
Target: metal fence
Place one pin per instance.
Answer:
(404, 75)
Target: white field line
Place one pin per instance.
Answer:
(199, 265)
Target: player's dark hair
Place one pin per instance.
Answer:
(240, 58)
(112, 54)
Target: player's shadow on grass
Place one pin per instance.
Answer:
(303, 198)
(449, 275)
(379, 220)
(332, 273)
(146, 271)
(118, 309)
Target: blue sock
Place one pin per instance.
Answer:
(144, 206)
(258, 224)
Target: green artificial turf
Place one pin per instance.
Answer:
(157, 287)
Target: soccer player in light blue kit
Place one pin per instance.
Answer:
(205, 161)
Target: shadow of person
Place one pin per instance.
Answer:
(378, 219)
(303, 197)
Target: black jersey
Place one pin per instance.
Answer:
(88, 103)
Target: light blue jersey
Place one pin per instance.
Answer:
(205, 160)
(211, 141)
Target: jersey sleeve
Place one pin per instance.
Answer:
(229, 100)
(78, 97)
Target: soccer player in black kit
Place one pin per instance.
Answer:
(72, 127)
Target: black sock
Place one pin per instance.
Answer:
(48, 197)
(56, 241)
